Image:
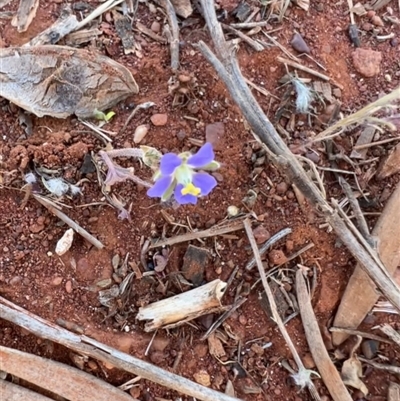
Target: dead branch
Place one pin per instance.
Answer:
(228, 70)
(65, 24)
(211, 232)
(102, 352)
(391, 333)
(62, 216)
(325, 366)
(174, 40)
(80, 386)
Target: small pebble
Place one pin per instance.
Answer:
(377, 21)
(299, 44)
(159, 119)
(57, 281)
(369, 348)
(394, 42)
(277, 257)
(140, 132)
(261, 234)
(155, 27)
(203, 378)
(68, 286)
(282, 187)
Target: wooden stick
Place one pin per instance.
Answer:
(228, 69)
(303, 68)
(65, 24)
(25, 14)
(391, 333)
(102, 352)
(326, 368)
(174, 41)
(62, 216)
(68, 382)
(181, 308)
(108, 5)
(211, 232)
(360, 333)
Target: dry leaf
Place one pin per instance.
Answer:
(229, 389)
(352, 371)
(215, 346)
(59, 81)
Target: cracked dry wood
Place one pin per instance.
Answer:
(25, 14)
(59, 81)
(179, 309)
(80, 386)
(360, 295)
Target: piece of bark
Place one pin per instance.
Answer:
(65, 24)
(12, 392)
(25, 14)
(60, 81)
(366, 136)
(82, 36)
(394, 392)
(124, 30)
(391, 165)
(68, 382)
(360, 295)
(183, 307)
(194, 264)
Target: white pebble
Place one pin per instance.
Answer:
(65, 242)
(140, 133)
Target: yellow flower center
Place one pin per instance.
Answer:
(190, 189)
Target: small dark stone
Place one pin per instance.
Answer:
(194, 264)
(299, 44)
(394, 42)
(353, 34)
(370, 348)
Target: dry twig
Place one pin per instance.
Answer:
(327, 369)
(211, 232)
(75, 226)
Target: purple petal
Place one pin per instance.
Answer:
(159, 187)
(184, 199)
(205, 182)
(204, 156)
(169, 162)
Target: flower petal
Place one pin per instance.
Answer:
(160, 187)
(204, 156)
(205, 182)
(169, 162)
(184, 199)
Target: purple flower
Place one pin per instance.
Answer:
(178, 176)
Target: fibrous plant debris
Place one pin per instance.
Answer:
(59, 81)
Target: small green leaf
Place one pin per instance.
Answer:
(110, 115)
